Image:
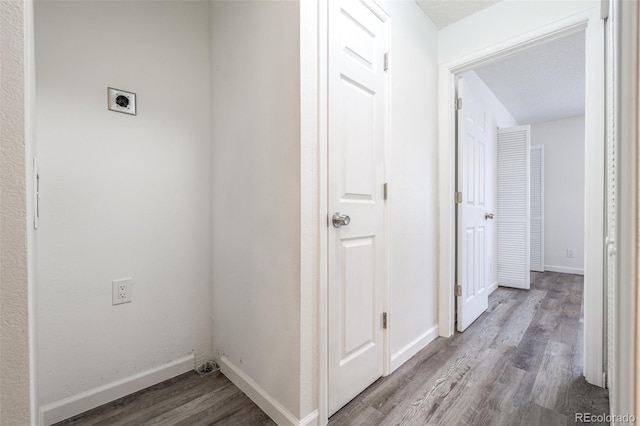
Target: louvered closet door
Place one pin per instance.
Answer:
(537, 208)
(513, 207)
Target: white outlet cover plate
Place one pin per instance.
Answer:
(115, 288)
(121, 101)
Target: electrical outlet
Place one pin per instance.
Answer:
(121, 291)
(571, 253)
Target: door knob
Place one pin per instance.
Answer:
(611, 246)
(488, 216)
(340, 220)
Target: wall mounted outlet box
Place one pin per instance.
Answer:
(121, 291)
(571, 253)
(121, 101)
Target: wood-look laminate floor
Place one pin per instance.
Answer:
(520, 363)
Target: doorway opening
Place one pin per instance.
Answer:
(508, 112)
(461, 283)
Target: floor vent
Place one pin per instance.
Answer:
(207, 368)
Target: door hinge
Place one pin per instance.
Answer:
(458, 197)
(384, 320)
(386, 60)
(458, 104)
(458, 290)
(386, 190)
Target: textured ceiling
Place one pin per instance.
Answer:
(445, 12)
(542, 83)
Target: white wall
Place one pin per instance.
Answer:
(256, 193)
(497, 117)
(14, 314)
(411, 173)
(121, 196)
(564, 177)
(412, 176)
(502, 21)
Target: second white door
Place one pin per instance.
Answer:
(473, 215)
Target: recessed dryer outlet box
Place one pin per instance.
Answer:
(121, 101)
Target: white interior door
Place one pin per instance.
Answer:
(356, 79)
(513, 207)
(537, 208)
(472, 290)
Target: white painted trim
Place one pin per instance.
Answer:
(262, 398)
(323, 191)
(626, 394)
(493, 287)
(446, 201)
(76, 404)
(446, 170)
(408, 351)
(310, 419)
(387, 367)
(564, 269)
(310, 219)
(30, 153)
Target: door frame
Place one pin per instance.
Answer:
(314, 58)
(590, 22)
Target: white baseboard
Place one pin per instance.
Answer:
(311, 419)
(262, 398)
(405, 353)
(76, 404)
(564, 269)
(493, 287)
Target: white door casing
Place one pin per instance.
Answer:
(473, 293)
(513, 207)
(356, 112)
(537, 208)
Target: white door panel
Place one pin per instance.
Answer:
(472, 223)
(513, 207)
(356, 136)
